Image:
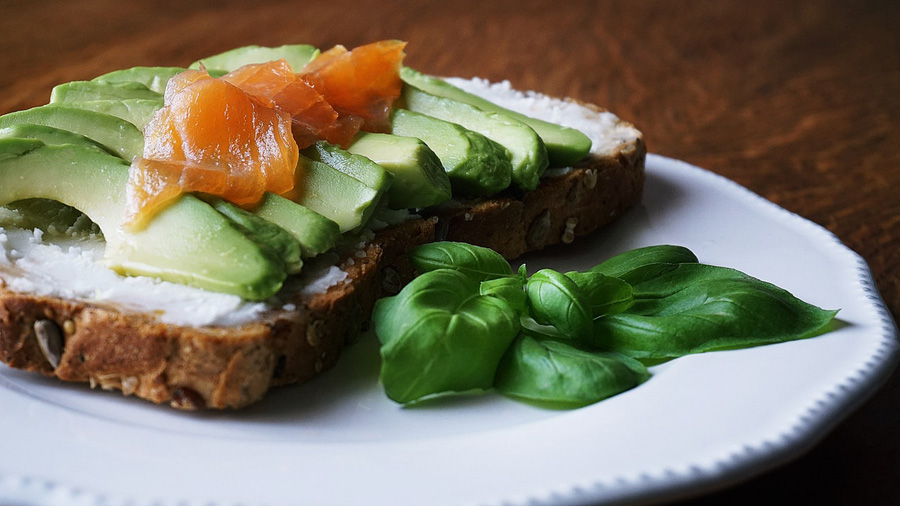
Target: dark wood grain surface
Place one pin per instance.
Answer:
(798, 101)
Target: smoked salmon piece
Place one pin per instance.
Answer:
(209, 126)
(363, 82)
(239, 136)
(275, 84)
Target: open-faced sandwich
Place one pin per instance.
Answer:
(195, 236)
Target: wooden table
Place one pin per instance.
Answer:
(798, 101)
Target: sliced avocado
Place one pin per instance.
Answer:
(527, 152)
(13, 147)
(315, 233)
(154, 78)
(54, 218)
(297, 56)
(188, 242)
(333, 194)
(117, 135)
(81, 91)
(419, 179)
(475, 164)
(137, 111)
(565, 146)
(283, 245)
(50, 135)
(356, 166)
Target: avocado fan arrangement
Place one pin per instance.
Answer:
(467, 322)
(83, 143)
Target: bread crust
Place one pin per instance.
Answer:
(232, 367)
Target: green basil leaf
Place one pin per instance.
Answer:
(556, 300)
(440, 335)
(550, 371)
(476, 262)
(605, 295)
(620, 266)
(511, 290)
(693, 308)
(523, 273)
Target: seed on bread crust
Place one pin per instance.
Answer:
(312, 333)
(569, 233)
(50, 340)
(590, 179)
(185, 398)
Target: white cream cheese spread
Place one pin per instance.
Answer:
(73, 267)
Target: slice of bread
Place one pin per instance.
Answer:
(192, 367)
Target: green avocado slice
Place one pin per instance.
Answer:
(50, 135)
(528, 154)
(297, 56)
(137, 111)
(333, 194)
(82, 91)
(154, 78)
(418, 178)
(315, 233)
(283, 245)
(356, 166)
(188, 242)
(115, 134)
(476, 165)
(565, 145)
(13, 147)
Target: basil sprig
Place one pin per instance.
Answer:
(467, 322)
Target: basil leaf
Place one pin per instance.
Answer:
(556, 300)
(605, 295)
(554, 372)
(476, 262)
(511, 290)
(621, 265)
(693, 308)
(440, 335)
(522, 273)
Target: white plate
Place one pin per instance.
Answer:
(699, 422)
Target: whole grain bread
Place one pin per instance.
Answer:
(232, 367)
